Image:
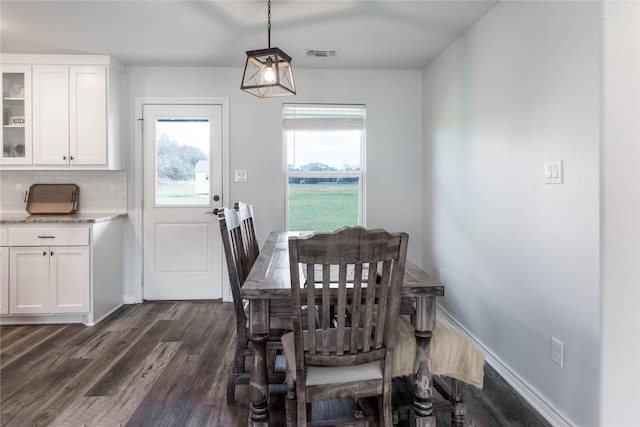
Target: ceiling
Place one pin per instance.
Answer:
(365, 34)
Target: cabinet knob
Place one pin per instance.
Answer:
(44, 253)
(52, 254)
(71, 157)
(64, 157)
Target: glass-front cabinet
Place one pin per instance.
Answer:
(16, 114)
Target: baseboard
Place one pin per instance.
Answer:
(519, 385)
(130, 300)
(104, 316)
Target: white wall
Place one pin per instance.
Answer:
(100, 191)
(394, 134)
(620, 210)
(521, 257)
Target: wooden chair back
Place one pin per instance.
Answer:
(353, 275)
(250, 239)
(235, 255)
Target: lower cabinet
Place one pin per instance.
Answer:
(49, 279)
(4, 279)
(61, 274)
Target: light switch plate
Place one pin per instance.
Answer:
(241, 176)
(553, 172)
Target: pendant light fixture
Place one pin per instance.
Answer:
(267, 72)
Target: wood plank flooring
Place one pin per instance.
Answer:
(164, 364)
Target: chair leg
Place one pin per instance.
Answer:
(231, 388)
(385, 407)
(301, 412)
(237, 368)
(459, 407)
(290, 412)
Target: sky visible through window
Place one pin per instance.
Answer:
(191, 132)
(334, 149)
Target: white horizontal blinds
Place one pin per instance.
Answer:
(301, 117)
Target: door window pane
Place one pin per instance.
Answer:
(182, 162)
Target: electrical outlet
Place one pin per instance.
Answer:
(241, 176)
(557, 352)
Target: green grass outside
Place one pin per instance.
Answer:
(322, 206)
(311, 206)
(169, 193)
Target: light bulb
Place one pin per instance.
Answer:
(269, 74)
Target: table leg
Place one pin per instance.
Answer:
(259, 383)
(423, 322)
(459, 407)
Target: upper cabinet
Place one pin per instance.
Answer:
(16, 115)
(75, 108)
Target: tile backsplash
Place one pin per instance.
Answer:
(100, 191)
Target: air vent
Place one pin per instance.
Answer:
(321, 53)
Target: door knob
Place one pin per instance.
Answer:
(216, 198)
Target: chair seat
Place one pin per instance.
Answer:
(317, 375)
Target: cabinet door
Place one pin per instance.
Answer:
(50, 115)
(4, 280)
(16, 137)
(28, 280)
(88, 111)
(70, 280)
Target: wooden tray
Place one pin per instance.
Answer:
(52, 198)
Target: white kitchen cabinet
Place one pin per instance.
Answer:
(69, 115)
(61, 272)
(69, 279)
(76, 112)
(49, 279)
(51, 115)
(4, 280)
(88, 115)
(29, 280)
(16, 115)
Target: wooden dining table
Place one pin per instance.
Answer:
(269, 285)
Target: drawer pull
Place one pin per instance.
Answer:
(46, 237)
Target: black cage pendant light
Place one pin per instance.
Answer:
(267, 72)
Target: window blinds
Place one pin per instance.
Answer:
(315, 117)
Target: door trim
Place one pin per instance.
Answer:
(135, 212)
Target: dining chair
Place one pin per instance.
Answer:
(236, 260)
(351, 270)
(280, 310)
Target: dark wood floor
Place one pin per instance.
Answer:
(162, 364)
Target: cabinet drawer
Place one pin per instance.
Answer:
(72, 236)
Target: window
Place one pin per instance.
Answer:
(182, 162)
(325, 165)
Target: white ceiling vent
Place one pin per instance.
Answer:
(321, 53)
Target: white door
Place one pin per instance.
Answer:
(182, 251)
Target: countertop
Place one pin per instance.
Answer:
(25, 218)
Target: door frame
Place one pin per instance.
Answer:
(137, 219)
